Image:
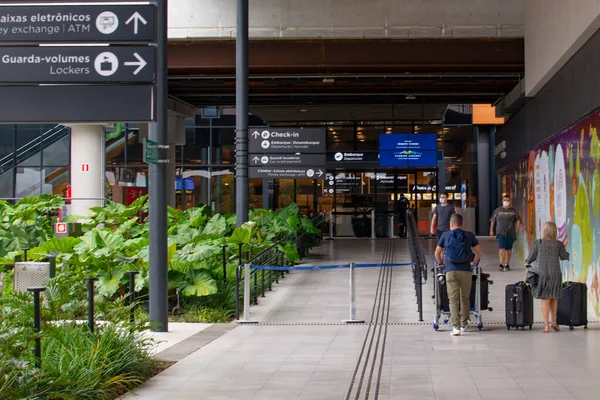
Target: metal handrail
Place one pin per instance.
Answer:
(418, 258)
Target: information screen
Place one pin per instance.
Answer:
(408, 150)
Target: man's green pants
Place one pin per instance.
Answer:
(458, 284)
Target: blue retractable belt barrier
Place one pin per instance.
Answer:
(298, 268)
(382, 265)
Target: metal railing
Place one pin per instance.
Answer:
(417, 255)
(257, 282)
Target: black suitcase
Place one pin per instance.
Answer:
(519, 306)
(485, 292)
(572, 305)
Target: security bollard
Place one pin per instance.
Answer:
(37, 323)
(90, 285)
(132, 275)
(352, 298)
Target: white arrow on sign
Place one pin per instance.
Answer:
(256, 135)
(320, 173)
(256, 160)
(140, 63)
(136, 18)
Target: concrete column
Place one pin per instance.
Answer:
(87, 168)
(483, 181)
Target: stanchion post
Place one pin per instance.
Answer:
(373, 224)
(90, 287)
(352, 297)
(246, 318)
(330, 225)
(237, 291)
(25, 250)
(132, 275)
(37, 323)
(392, 227)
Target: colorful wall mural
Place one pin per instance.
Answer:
(559, 181)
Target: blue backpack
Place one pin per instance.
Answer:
(458, 248)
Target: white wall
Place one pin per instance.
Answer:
(554, 31)
(349, 18)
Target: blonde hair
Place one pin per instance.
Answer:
(549, 231)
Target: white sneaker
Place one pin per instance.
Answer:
(463, 329)
(455, 332)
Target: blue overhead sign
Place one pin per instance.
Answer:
(408, 150)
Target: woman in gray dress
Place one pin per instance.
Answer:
(548, 252)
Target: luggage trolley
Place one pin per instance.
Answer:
(440, 311)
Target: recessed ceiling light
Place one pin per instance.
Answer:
(410, 97)
(303, 110)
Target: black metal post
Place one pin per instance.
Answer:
(241, 106)
(37, 323)
(90, 287)
(132, 275)
(255, 286)
(237, 292)
(52, 269)
(225, 264)
(159, 287)
(25, 249)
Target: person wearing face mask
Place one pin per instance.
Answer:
(504, 223)
(442, 214)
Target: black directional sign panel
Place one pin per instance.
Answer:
(268, 172)
(77, 103)
(76, 64)
(78, 23)
(287, 140)
(287, 159)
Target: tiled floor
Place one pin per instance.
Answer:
(301, 350)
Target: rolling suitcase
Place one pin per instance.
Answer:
(485, 293)
(519, 306)
(572, 305)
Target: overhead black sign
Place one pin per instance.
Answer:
(287, 159)
(287, 140)
(77, 103)
(286, 172)
(78, 23)
(76, 64)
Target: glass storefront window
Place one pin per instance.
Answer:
(458, 144)
(223, 190)
(6, 183)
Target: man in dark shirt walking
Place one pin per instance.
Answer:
(441, 214)
(459, 260)
(402, 206)
(504, 223)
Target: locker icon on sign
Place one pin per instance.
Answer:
(106, 64)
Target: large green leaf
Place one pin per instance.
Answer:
(217, 225)
(107, 238)
(198, 252)
(290, 251)
(198, 284)
(309, 227)
(109, 281)
(64, 245)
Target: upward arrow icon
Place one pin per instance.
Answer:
(256, 134)
(136, 18)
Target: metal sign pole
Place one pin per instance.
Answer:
(352, 296)
(157, 189)
(241, 95)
